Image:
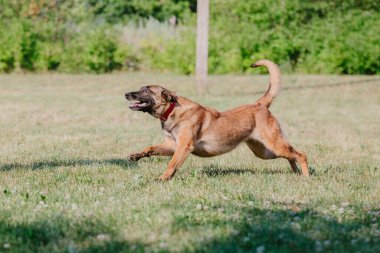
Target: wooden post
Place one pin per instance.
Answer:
(201, 67)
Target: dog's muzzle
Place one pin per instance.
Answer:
(137, 103)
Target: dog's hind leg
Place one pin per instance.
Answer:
(262, 152)
(259, 149)
(277, 144)
(281, 148)
(294, 166)
(293, 156)
(269, 133)
(166, 148)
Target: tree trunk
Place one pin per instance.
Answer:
(202, 46)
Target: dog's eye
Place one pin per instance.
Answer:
(146, 90)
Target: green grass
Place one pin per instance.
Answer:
(65, 184)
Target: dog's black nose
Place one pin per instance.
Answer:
(130, 95)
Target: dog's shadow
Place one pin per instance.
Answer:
(50, 164)
(216, 170)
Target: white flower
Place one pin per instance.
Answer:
(71, 248)
(234, 232)
(297, 218)
(137, 177)
(163, 245)
(260, 249)
(102, 237)
(266, 204)
(224, 197)
(42, 204)
(318, 246)
(295, 225)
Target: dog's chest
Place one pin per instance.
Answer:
(167, 126)
(168, 130)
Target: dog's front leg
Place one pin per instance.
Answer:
(164, 149)
(184, 148)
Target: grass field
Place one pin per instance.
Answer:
(66, 185)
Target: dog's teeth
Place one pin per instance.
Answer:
(138, 104)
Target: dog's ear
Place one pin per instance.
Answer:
(168, 96)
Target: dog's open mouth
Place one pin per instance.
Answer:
(138, 105)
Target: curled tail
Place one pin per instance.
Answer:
(274, 81)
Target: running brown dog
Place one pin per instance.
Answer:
(190, 128)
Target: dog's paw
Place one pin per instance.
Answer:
(163, 178)
(135, 157)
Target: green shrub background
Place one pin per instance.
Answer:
(325, 36)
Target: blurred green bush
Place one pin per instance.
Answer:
(7, 51)
(325, 36)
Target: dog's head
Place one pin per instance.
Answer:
(151, 99)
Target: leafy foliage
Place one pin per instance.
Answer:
(28, 48)
(115, 11)
(7, 52)
(101, 53)
(307, 36)
(89, 36)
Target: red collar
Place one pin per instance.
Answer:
(166, 114)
